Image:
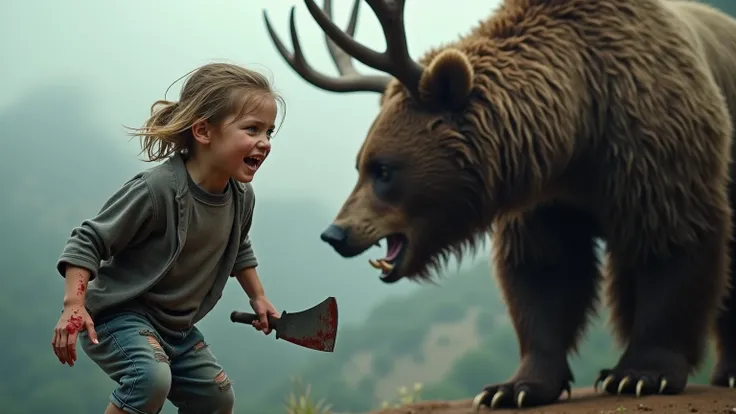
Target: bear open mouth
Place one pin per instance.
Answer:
(395, 247)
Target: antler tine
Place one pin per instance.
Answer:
(390, 14)
(395, 60)
(343, 61)
(350, 81)
(345, 42)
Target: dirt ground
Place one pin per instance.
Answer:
(696, 399)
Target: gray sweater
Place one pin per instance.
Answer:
(132, 247)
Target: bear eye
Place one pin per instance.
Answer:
(382, 173)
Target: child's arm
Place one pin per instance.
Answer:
(249, 281)
(74, 317)
(75, 286)
(246, 258)
(251, 284)
(245, 271)
(128, 216)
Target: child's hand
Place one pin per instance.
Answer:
(263, 308)
(73, 319)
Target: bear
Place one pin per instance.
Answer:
(550, 125)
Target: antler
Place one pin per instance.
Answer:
(341, 45)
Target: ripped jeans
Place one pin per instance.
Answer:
(149, 369)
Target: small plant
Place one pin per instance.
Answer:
(405, 396)
(300, 402)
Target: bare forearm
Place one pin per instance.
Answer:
(249, 281)
(75, 288)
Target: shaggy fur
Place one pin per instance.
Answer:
(550, 124)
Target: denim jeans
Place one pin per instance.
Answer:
(149, 368)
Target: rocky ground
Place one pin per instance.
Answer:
(697, 399)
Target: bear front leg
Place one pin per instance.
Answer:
(724, 371)
(548, 272)
(664, 306)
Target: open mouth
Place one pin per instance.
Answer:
(395, 247)
(253, 162)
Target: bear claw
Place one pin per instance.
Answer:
(623, 383)
(478, 400)
(502, 393)
(730, 382)
(642, 384)
(724, 374)
(482, 396)
(520, 399)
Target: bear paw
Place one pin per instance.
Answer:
(520, 393)
(645, 373)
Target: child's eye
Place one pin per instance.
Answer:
(251, 129)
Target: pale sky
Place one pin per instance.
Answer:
(126, 53)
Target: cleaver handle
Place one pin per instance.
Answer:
(248, 318)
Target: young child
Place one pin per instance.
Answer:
(169, 239)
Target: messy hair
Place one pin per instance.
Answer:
(212, 92)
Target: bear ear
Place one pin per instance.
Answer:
(447, 80)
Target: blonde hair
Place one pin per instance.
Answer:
(212, 92)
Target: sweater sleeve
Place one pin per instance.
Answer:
(126, 218)
(246, 256)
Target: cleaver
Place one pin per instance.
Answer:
(314, 328)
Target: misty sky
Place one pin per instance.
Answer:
(124, 55)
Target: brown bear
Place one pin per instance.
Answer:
(549, 125)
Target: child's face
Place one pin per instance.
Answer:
(240, 146)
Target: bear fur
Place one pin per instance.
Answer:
(550, 124)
